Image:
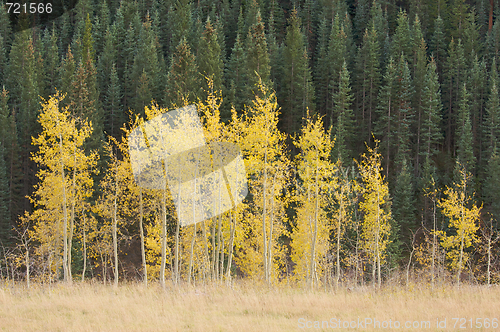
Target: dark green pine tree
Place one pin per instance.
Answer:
(115, 115)
(335, 57)
(322, 68)
(368, 83)
(404, 219)
(431, 113)
(297, 89)
(455, 76)
(147, 64)
(419, 85)
(379, 21)
(101, 24)
(183, 80)
(385, 126)
(405, 113)
(210, 61)
(274, 53)
(107, 59)
(344, 127)
(465, 152)
(458, 18)
(471, 38)
(51, 63)
(491, 188)
(257, 58)
(491, 126)
(437, 46)
(402, 38)
(493, 40)
(5, 222)
(477, 86)
(25, 90)
(5, 35)
(180, 21)
(236, 76)
(361, 19)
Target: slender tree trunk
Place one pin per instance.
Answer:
(338, 238)
(65, 213)
(191, 254)
(231, 244)
(84, 249)
(264, 212)
(315, 233)
(141, 229)
(163, 237)
(115, 239)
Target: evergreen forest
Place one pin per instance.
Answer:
(368, 128)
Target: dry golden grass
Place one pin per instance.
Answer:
(242, 307)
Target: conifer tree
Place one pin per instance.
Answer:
(180, 20)
(257, 57)
(387, 105)
(437, 46)
(183, 81)
(236, 75)
(404, 219)
(344, 128)
(210, 60)
(491, 188)
(5, 221)
(297, 90)
(431, 112)
(402, 39)
(455, 74)
(491, 124)
(465, 153)
(368, 69)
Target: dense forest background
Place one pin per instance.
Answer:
(417, 81)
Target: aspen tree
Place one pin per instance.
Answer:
(376, 208)
(64, 177)
(463, 214)
(263, 147)
(310, 237)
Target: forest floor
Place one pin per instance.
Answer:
(246, 307)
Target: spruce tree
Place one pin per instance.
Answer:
(297, 90)
(403, 213)
(491, 188)
(385, 126)
(431, 113)
(236, 76)
(344, 128)
(402, 39)
(210, 60)
(180, 21)
(437, 46)
(183, 81)
(491, 126)
(368, 69)
(5, 222)
(257, 58)
(465, 154)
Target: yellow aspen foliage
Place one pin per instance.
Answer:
(260, 219)
(463, 214)
(65, 182)
(311, 232)
(375, 206)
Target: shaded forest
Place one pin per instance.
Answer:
(369, 131)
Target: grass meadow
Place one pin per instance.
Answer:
(244, 307)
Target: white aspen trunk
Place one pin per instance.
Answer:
(163, 238)
(141, 229)
(264, 211)
(230, 254)
(191, 253)
(315, 232)
(433, 242)
(489, 259)
(177, 230)
(271, 226)
(206, 269)
(27, 262)
(338, 237)
(115, 239)
(72, 222)
(65, 220)
(84, 249)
